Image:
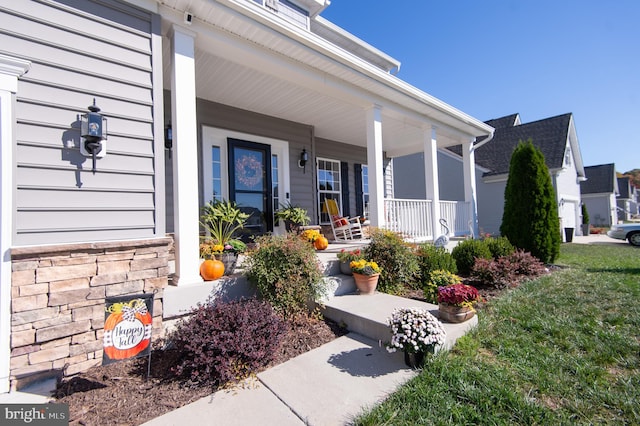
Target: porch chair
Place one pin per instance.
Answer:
(344, 228)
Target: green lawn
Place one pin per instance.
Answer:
(563, 349)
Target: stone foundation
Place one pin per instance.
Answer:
(58, 298)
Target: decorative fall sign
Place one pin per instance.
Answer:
(127, 327)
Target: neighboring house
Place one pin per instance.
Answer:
(557, 139)
(599, 194)
(627, 199)
(203, 99)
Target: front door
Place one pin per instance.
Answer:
(250, 184)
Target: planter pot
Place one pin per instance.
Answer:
(229, 260)
(455, 314)
(345, 268)
(414, 359)
(585, 229)
(366, 283)
(417, 359)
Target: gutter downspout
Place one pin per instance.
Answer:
(487, 140)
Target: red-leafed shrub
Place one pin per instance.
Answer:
(507, 270)
(494, 273)
(526, 265)
(227, 341)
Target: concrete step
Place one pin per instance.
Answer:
(367, 315)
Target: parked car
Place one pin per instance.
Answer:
(627, 231)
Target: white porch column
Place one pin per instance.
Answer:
(431, 177)
(469, 175)
(10, 69)
(185, 156)
(375, 160)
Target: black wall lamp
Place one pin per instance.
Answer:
(93, 130)
(168, 137)
(304, 157)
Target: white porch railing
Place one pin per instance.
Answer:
(412, 218)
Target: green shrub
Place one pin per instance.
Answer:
(285, 271)
(499, 247)
(466, 253)
(226, 341)
(438, 278)
(397, 259)
(430, 259)
(530, 219)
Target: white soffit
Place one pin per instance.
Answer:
(319, 90)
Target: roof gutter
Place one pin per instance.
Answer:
(486, 140)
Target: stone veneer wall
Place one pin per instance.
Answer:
(58, 298)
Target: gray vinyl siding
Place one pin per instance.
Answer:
(80, 50)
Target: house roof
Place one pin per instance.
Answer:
(550, 135)
(502, 122)
(600, 179)
(624, 187)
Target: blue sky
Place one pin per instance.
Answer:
(538, 58)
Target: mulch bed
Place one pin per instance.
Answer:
(120, 394)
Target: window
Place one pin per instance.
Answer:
(365, 189)
(567, 156)
(216, 175)
(329, 184)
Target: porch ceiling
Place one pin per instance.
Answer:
(280, 77)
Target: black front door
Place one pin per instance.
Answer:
(250, 184)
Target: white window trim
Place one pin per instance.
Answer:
(212, 136)
(318, 190)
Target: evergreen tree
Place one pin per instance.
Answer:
(530, 219)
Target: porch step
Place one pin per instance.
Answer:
(367, 315)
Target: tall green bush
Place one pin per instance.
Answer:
(397, 259)
(530, 219)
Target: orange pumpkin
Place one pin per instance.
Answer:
(125, 338)
(321, 243)
(211, 269)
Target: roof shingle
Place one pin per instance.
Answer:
(600, 179)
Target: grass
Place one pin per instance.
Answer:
(561, 350)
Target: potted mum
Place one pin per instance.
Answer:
(365, 274)
(346, 257)
(456, 302)
(416, 332)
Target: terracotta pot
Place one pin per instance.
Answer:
(345, 268)
(366, 283)
(455, 314)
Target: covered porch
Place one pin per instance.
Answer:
(240, 55)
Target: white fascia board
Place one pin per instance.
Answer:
(575, 149)
(343, 33)
(495, 178)
(255, 12)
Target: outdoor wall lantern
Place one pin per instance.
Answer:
(93, 131)
(168, 137)
(304, 157)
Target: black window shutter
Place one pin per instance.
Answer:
(357, 168)
(344, 176)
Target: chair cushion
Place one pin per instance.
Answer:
(339, 221)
